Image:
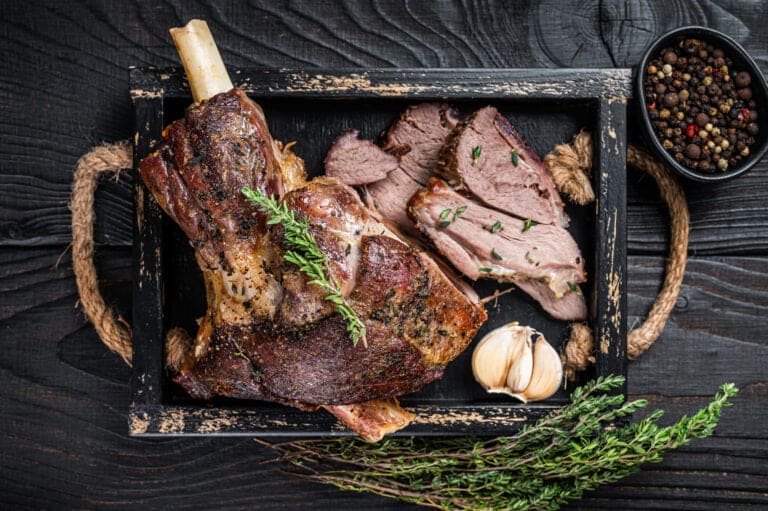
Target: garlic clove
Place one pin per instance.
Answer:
(547, 373)
(519, 374)
(492, 359)
(504, 359)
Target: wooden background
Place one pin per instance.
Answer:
(63, 396)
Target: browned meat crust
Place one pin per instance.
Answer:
(267, 334)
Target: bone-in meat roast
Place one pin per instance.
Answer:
(267, 333)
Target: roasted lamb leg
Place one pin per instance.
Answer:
(269, 334)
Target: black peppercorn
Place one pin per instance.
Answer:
(693, 151)
(742, 79)
(745, 93)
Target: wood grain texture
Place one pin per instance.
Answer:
(64, 88)
(65, 82)
(64, 397)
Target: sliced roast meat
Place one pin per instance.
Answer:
(416, 138)
(389, 200)
(570, 307)
(488, 158)
(418, 135)
(483, 243)
(358, 162)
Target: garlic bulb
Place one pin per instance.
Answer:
(508, 361)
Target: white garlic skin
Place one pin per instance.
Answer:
(508, 361)
(547, 373)
(494, 355)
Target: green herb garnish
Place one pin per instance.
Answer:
(307, 256)
(496, 255)
(444, 213)
(515, 157)
(572, 450)
(528, 223)
(459, 211)
(529, 258)
(496, 227)
(573, 287)
(476, 153)
(444, 224)
(485, 269)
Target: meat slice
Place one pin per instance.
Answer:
(570, 307)
(483, 243)
(269, 334)
(488, 158)
(358, 162)
(389, 199)
(416, 137)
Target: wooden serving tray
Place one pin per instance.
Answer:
(312, 107)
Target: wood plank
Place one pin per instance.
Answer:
(64, 399)
(65, 93)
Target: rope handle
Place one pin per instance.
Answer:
(113, 331)
(570, 165)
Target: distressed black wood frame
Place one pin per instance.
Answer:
(609, 88)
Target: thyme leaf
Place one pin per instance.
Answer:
(305, 254)
(496, 227)
(444, 213)
(528, 223)
(496, 255)
(476, 151)
(515, 157)
(573, 287)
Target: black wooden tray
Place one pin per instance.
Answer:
(312, 107)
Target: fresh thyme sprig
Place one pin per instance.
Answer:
(307, 256)
(541, 467)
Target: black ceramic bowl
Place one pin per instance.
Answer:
(741, 62)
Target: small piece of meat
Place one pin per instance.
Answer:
(358, 162)
(418, 135)
(373, 419)
(518, 251)
(488, 158)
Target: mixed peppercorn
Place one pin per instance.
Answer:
(701, 108)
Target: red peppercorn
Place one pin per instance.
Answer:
(652, 106)
(692, 130)
(743, 114)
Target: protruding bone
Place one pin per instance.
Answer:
(201, 59)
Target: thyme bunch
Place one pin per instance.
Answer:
(574, 449)
(307, 256)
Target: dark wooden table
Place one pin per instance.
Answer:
(64, 88)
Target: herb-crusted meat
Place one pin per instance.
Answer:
(268, 333)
